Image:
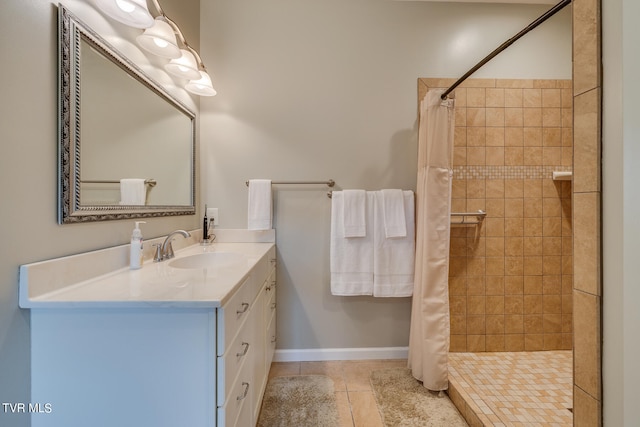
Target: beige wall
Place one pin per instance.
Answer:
(28, 173)
(327, 90)
(28, 134)
(511, 277)
(620, 211)
(28, 212)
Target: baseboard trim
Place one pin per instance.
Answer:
(322, 354)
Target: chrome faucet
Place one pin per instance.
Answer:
(165, 250)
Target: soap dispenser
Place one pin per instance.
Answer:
(135, 260)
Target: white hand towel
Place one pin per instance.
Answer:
(393, 258)
(354, 213)
(260, 208)
(132, 191)
(393, 213)
(351, 259)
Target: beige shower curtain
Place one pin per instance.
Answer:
(429, 335)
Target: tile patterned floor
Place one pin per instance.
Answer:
(490, 389)
(513, 388)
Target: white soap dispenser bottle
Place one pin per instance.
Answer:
(135, 260)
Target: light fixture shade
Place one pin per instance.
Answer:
(133, 13)
(185, 66)
(202, 86)
(160, 40)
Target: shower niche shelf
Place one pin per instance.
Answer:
(468, 219)
(562, 175)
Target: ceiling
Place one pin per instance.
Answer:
(492, 1)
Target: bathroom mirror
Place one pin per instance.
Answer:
(116, 123)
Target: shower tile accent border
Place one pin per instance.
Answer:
(507, 172)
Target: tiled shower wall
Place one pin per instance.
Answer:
(510, 285)
(587, 197)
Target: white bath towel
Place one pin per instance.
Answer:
(260, 206)
(393, 213)
(393, 258)
(133, 191)
(353, 216)
(351, 259)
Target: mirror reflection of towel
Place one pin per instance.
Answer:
(132, 191)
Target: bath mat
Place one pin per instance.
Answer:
(403, 401)
(302, 400)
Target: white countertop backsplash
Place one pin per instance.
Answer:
(102, 278)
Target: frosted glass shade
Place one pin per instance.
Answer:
(202, 86)
(133, 13)
(185, 67)
(160, 40)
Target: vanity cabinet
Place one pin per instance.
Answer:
(270, 318)
(243, 355)
(191, 363)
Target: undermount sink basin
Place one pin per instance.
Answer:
(207, 260)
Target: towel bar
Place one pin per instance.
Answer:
(150, 182)
(329, 183)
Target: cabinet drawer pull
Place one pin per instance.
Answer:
(273, 306)
(246, 348)
(245, 307)
(273, 338)
(246, 391)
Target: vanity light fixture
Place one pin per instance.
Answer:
(133, 13)
(160, 40)
(185, 66)
(163, 37)
(202, 86)
(199, 84)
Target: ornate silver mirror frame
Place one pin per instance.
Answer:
(73, 33)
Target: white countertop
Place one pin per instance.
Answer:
(154, 285)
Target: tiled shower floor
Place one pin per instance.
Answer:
(513, 388)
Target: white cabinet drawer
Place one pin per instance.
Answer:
(269, 292)
(269, 322)
(245, 418)
(269, 303)
(271, 280)
(238, 401)
(271, 341)
(237, 357)
(264, 268)
(233, 314)
(258, 357)
(261, 271)
(271, 258)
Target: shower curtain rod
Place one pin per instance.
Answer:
(548, 14)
